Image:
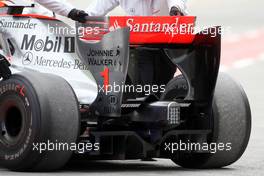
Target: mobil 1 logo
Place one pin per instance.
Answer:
(48, 44)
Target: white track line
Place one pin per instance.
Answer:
(243, 63)
(223, 68)
(252, 34)
(261, 57)
(232, 38)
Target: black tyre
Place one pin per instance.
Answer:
(36, 109)
(231, 126)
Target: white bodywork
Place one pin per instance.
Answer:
(39, 48)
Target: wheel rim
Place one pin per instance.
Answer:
(12, 123)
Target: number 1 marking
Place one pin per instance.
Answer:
(105, 75)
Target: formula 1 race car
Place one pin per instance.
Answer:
(107, 90)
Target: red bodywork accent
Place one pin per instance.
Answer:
(147, 25)
(36, 16)
(143, 30)
(31, 16)
(150, 30)
(2, 4)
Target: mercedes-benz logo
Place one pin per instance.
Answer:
(27, 58)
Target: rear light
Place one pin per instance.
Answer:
(173, 114)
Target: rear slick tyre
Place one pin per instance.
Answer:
(36, 109)
(232, 124)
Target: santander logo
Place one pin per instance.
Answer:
(115, 26)
(149, 29)
(169, 27)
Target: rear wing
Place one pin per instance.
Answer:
(14, 6)
(143, 30)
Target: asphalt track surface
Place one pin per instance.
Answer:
(245, 19)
